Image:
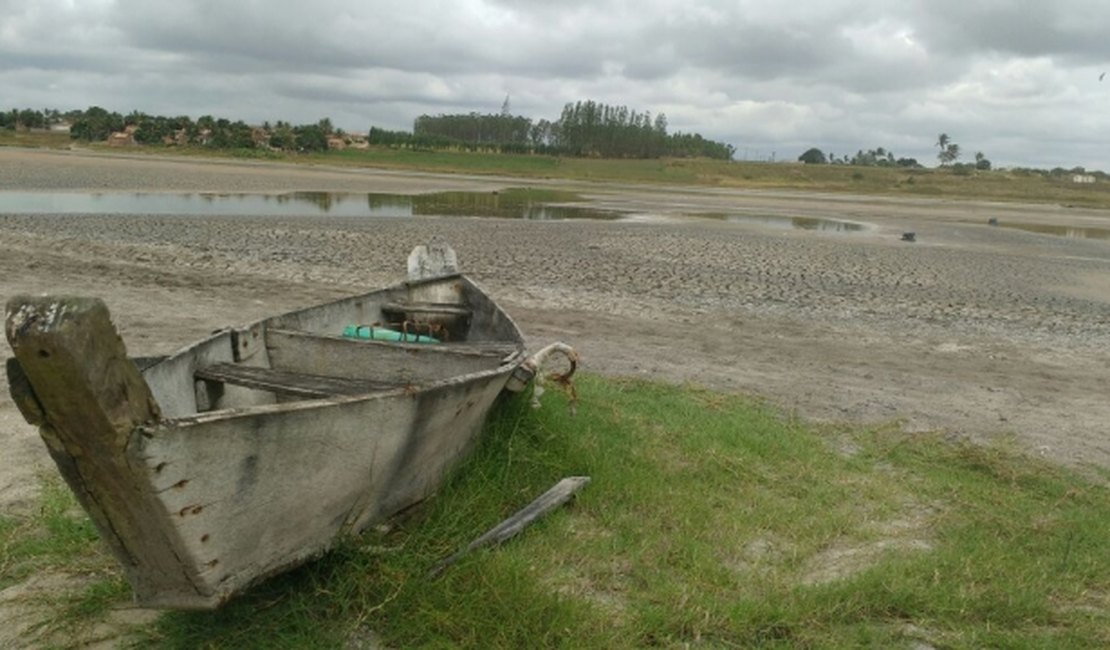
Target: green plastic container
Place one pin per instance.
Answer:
(371, 333)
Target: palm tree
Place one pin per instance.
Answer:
(949, 151)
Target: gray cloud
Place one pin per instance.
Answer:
(1017, 80)
(1071, 31)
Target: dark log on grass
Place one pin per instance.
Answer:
(545, 503)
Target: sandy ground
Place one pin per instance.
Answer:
(976, 330)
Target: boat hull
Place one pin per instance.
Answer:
(245, 497)
(261, 446)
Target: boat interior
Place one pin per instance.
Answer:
(305, 355)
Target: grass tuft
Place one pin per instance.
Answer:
(58, 536)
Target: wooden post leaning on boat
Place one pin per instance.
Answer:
(72, 377)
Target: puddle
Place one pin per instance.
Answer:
(1060, 231)
(790, 223)
(511, 204)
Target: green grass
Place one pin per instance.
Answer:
(993, 185)
(58, 535)
(710, 519)
(59, 541)
(35, 138)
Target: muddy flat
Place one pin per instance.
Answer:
(978, 330)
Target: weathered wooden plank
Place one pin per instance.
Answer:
(559, 494)
(175, 388)
(334, 315)
(94, 403)
(290, 383)
(334, 356)
(489, 349)
(425, 308)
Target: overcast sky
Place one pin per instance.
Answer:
(1015, 79)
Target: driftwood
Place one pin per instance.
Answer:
(545, 503)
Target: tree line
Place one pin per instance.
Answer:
(30, 118)
(880, 157)
(97, 124)
(587, 129)
(877, 157)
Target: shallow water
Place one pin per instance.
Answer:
(800, 223)
(295, 204)
(793, 223)
(337, 204)
(1060, 231)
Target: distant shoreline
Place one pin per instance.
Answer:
(647, 175)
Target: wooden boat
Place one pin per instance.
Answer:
(261, 446)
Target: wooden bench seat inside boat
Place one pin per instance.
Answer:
(306, 365)
(398, 363)
(426, 308)
(293, 384)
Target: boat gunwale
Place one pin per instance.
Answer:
(467, 349)
(509, 361)
(226, 330)
(412, 391)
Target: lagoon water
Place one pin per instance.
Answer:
(292, 204)
(299, 204)
(797, 223)
(1060, 231)
(336, 204)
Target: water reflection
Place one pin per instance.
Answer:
(794, 223)
(506, 205)
(1060, 231)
